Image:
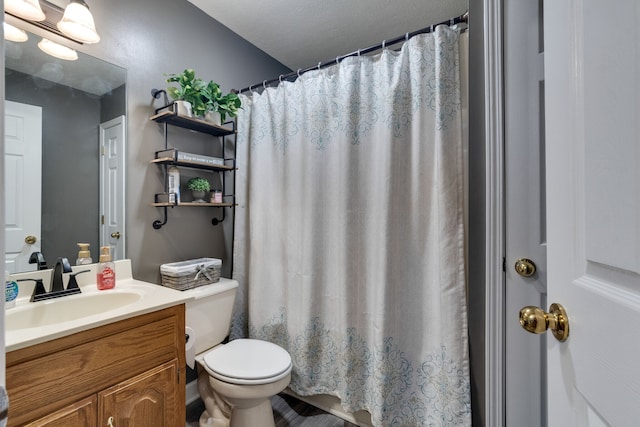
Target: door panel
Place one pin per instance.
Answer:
(23, 183)
(112, 186)
(593, 158)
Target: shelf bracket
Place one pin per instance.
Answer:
(157, 224)
(216, 221)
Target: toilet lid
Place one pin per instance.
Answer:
(248, 359)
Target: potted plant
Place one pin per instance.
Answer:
(220, 105)
(189, 90)
(229, 105)
(199, 187)
(210, 95)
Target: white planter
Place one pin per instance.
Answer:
(183, 108)
(213, 117)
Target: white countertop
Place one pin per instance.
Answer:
(148, 297)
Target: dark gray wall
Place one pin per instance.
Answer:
(113, 104)
(70, 162)
(151, 39)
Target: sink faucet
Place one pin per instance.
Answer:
(62, 266)
(38, 258)
(57, 283)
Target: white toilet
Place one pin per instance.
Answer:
(236, 380)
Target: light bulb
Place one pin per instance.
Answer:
(26, 9)
(14, 34)
(78, 24)
(57, 50)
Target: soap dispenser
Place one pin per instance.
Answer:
(106, 270)
(84, 255)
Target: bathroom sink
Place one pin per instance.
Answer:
(75, 307)
(31, 323)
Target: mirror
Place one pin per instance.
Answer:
(80, 102)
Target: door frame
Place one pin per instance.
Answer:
(495, 295)
(495, 314)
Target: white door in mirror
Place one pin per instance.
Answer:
(112, 182)
(23, 185)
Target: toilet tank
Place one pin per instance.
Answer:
(208, 314)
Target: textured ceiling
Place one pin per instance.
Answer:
(301, 33)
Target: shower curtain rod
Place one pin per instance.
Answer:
(464, 18)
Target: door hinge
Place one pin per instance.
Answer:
(102, 150)
(102, 219)
(504, 264)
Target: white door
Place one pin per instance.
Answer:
(592, 75)
(112, 186)
(23, 184)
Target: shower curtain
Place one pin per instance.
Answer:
(349, 231)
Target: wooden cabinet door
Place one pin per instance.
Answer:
(147, 400)
(80, 414)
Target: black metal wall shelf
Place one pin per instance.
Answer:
(167, 116)
(172, 118)
(170, 161)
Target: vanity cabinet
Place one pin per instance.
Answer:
(174, 157)
(79, 414)
(130, 372)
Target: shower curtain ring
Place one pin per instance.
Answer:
(251, 88)
(406, 37)
(264, 84)
(384, 43)
(358, 52)
(337, 59)
(280, 78)
(299, 72)
(319, 63)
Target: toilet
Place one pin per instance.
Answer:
(235, 380)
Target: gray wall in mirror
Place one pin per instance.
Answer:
(70, 166)
(151, 39)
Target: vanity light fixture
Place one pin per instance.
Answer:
(77, 23)
(26, 9)
(14, 34)
(57, 50)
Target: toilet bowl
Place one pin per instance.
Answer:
(235, 380)
(244, 374)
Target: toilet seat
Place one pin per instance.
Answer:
(248, 361)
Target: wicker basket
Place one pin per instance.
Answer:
(190, 273)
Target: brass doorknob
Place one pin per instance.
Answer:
(535, 320)
(115, 234)
(30, 240)
(525, 267)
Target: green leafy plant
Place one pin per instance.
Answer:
(224, 104)
(229, 104)
(203, 96)
(189, 89)
(198, 184)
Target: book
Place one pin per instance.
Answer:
(181, 156)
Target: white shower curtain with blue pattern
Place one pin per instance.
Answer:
(349, 231)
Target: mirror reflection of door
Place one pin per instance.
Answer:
(112, 186)
(23, 184)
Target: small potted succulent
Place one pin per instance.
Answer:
(199, 187)
(187, 94)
